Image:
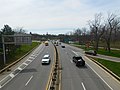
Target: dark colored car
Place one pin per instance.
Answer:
(91, 52)
(63, 46)
(78, 61)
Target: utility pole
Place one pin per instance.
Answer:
(4, 49)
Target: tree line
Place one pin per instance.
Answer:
(101, 29)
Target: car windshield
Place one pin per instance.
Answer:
(78, 58)
(45, 58)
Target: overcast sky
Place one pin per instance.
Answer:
(52, 16)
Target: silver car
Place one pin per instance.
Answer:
(46, 59)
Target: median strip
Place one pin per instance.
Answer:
(54, 77)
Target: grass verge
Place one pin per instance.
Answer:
(21, 51)
(114, 53)
(112, 66)
(18, 53)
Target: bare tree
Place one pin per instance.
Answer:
(111, 27)
(97, 30)
(77, 34)
(20, 30)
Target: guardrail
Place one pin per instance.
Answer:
(55, 74)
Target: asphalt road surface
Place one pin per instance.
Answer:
(35, 75)
(89, 77)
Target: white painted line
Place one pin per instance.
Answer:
(74, 52)
(32, 56)
(0, 86)
(71, 61)
(12, 75)
(19, 68)
(100, 77)
(5, 82)
(83, 86)
(29, 60)
(25, 64)
(28, 80)
(87, 58)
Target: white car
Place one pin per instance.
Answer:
(46, 59)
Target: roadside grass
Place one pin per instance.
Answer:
(21, 51)
(18, 53)
(114, 53)
(113, 66)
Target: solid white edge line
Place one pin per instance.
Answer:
(83, 86)
(100, 77)
(87, 58)
(29, 80)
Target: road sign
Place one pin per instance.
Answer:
(17, 39)
(22, 39)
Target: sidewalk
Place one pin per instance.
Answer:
(115, 59)
(98, 47)
(110, 58)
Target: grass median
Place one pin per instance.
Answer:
(113, 66)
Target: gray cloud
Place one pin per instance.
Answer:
(50, 14)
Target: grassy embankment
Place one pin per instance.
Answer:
(19, 53)
(113, 66)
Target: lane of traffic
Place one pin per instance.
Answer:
(33, 77)
(105, 77)
(70, 78)
(84, 75)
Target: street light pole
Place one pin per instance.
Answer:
(4, 50)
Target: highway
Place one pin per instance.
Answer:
(34, 76)
(90, 77)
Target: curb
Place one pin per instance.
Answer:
(7, 67)
(109, 71)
